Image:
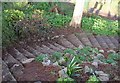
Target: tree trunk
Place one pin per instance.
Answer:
(77, 14)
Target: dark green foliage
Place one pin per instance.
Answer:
(10, 17)
(41, 6)
(70, 51)
(41, 57)
(73, 67)
(114, 56)
(93, 79)
(57, 55)
(65, 80)
(57, 20)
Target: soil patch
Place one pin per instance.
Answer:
(35, 71)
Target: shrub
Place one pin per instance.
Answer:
(14, 5)
(57, 20)
(9, 18)
(13, 15)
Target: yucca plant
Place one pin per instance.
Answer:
(73, 67)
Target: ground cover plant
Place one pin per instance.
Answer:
(99, 25)
(74, 63)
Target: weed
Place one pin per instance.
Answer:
(41, 57)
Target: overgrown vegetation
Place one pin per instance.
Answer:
(15, 12)
(77, 57)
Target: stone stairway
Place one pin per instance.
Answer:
(13, 59)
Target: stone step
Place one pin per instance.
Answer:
(117, 37)
(54, 47)
(65, 43)
(44, 49)
(32, 50)
(49, 50)
(74, 40)
(14, 65)
(116, 42)
(10, 60)
(84, 39)
(17, 55)
(6, 74)
(101, 41)
(109, 42)
(25, 52)
(59, 46)
(93, 40)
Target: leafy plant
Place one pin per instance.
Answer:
(99, 25)
(85, 53)
(70, 51)
(41, 57)
(12, 15)
(111, 59)
(72, 67)
(93, 79)
(65, 80)
(9, 18)
(114, 56)
(57, 55)
(57, 20)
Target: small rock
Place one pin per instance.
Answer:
(28, 60)
(63, 73)
(99, 62)
(80, 46)
(111, 51)
(62, 60)
(99, 72)
(95, 57)
(55, 64)
(55, 37)
(117, 78)
(103, 78)
(95, 63)
(68, 55)
(46, 62)
(92, 56)
(100, 56)
(102, 51)
(88, 70)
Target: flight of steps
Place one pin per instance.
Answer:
(13, 58)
